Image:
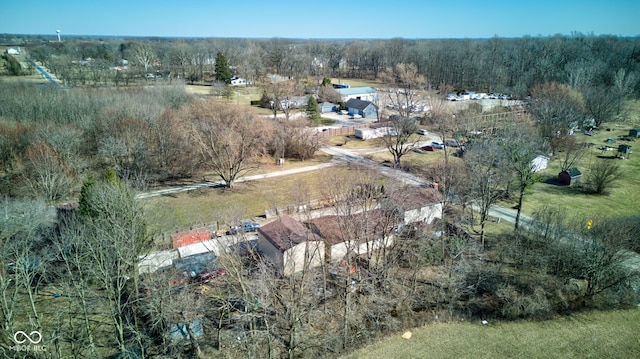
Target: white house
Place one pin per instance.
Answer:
(239, 81)
(290, 246)
(422, 205)
(358, 93)
(12, 51)
(364, 233)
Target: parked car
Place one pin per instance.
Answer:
(438, 145)
(206, 277)
(428, 148)
(451, 97)
(422, 132)
(452, 143)
(250, 226)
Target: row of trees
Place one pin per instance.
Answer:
(489, 65)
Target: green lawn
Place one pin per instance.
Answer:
(586, 335)
(622, 199)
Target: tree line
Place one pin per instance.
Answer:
(503, 65)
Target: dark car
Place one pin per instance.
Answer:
(206, 277)
(429, 148)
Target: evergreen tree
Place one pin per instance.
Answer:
(313, 113)
(223, 74)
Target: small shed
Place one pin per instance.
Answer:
(570, 176)
(327, 107)
(362, 108)
(635, 132)
(624, 150)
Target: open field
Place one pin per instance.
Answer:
(585, 335)
(623, 198)
(250, 199)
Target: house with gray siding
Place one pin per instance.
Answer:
(366, 109)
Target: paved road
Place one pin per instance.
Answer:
(44, 73)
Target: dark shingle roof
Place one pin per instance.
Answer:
(286, 232)
(574, 172)
(357, 104)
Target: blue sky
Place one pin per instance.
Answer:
(322, 19)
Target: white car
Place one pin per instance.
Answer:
(438, 145)
(422, 132)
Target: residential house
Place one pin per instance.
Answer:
(570, 176)
(358, 93)
(421, 205)
(290, 246)
(635, 132)
(12, 51)
(357, 234)
(362, 108)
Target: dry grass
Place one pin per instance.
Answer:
(174, 212)
(585, 335)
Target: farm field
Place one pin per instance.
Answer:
(611, 334)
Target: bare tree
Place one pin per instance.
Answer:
(144, 55)
(46, 173)
(556, 108)
(600, 103)
(569, 151)
(294, 139)
(403, 83)
(521, 146)
(602, 174)
(22, 224)
(116, 236)
(487, 179)
(227, 138)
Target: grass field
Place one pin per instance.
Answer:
(612, 334)
(622, 199)
(250, 199)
